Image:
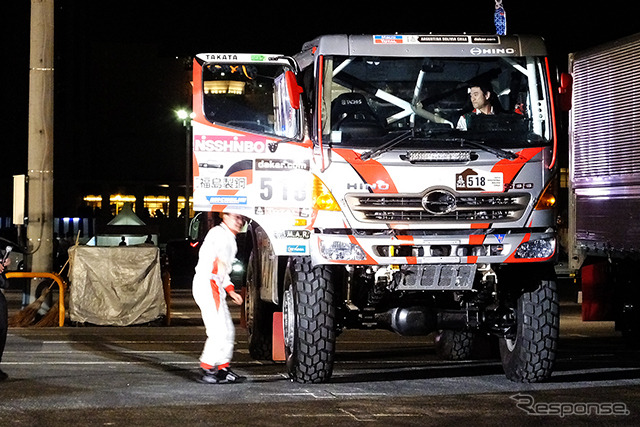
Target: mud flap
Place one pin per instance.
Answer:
(597, 293)
(243, 312)
(278, 338)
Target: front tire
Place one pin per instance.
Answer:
(528, 353)
(309, 317)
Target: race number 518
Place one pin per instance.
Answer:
(279, 191)
(476, 181)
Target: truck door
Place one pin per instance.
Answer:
(242, 112)
(249, 156)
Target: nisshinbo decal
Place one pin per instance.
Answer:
(236, 144)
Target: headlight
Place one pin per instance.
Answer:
(540, 248)
(340, 250)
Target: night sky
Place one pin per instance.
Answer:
(120, 65)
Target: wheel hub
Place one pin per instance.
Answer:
(288, 316)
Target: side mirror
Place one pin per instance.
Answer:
(293, 88)
(565, 91)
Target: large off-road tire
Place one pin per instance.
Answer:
(528, 355)
(309, 317)
(259, 314)
(454, 345)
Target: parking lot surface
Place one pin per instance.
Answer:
(144, 376)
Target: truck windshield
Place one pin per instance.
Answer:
(501, 101)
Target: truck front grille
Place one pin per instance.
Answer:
(409, 208)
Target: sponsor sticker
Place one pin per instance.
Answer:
(267, 210)
(219, 183)
(228, 144)
(471, 180)
(283, 165)
(227, 200)
(293, 234)
(388, 39)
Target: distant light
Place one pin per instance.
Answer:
(184, 114)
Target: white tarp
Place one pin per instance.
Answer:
(116, 286)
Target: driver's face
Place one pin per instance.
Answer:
(479, 99)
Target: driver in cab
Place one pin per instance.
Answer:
(481, 100)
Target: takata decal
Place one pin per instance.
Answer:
(471, 180)
(229, 144)
(219, 56)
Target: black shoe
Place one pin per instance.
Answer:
(226, 375)
(219, 376)
(3, 376)
(208, 376)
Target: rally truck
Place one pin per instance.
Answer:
(369, 205)
(604, 182)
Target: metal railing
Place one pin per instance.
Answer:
(62, 286)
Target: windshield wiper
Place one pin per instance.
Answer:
(386, 146)
(483, 146)
(462, 141)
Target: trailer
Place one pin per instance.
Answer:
(604, 181)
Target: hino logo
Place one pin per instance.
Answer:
(439, 202)
(492, 51)
(378, 185)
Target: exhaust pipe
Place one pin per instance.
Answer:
(414, 321)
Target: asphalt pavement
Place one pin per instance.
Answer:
(144, 376)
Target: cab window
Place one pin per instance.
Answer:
(251, 97)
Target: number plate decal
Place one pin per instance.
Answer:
(471, 180)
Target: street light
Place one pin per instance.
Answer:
(184, 115)
(186, 118)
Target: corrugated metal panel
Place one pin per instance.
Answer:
(606, 114)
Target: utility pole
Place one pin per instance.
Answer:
(40, 157)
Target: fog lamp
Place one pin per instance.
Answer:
(539, 248)
(341, 251)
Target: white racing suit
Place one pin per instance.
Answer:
(211, 283)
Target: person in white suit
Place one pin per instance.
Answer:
(211, 285)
